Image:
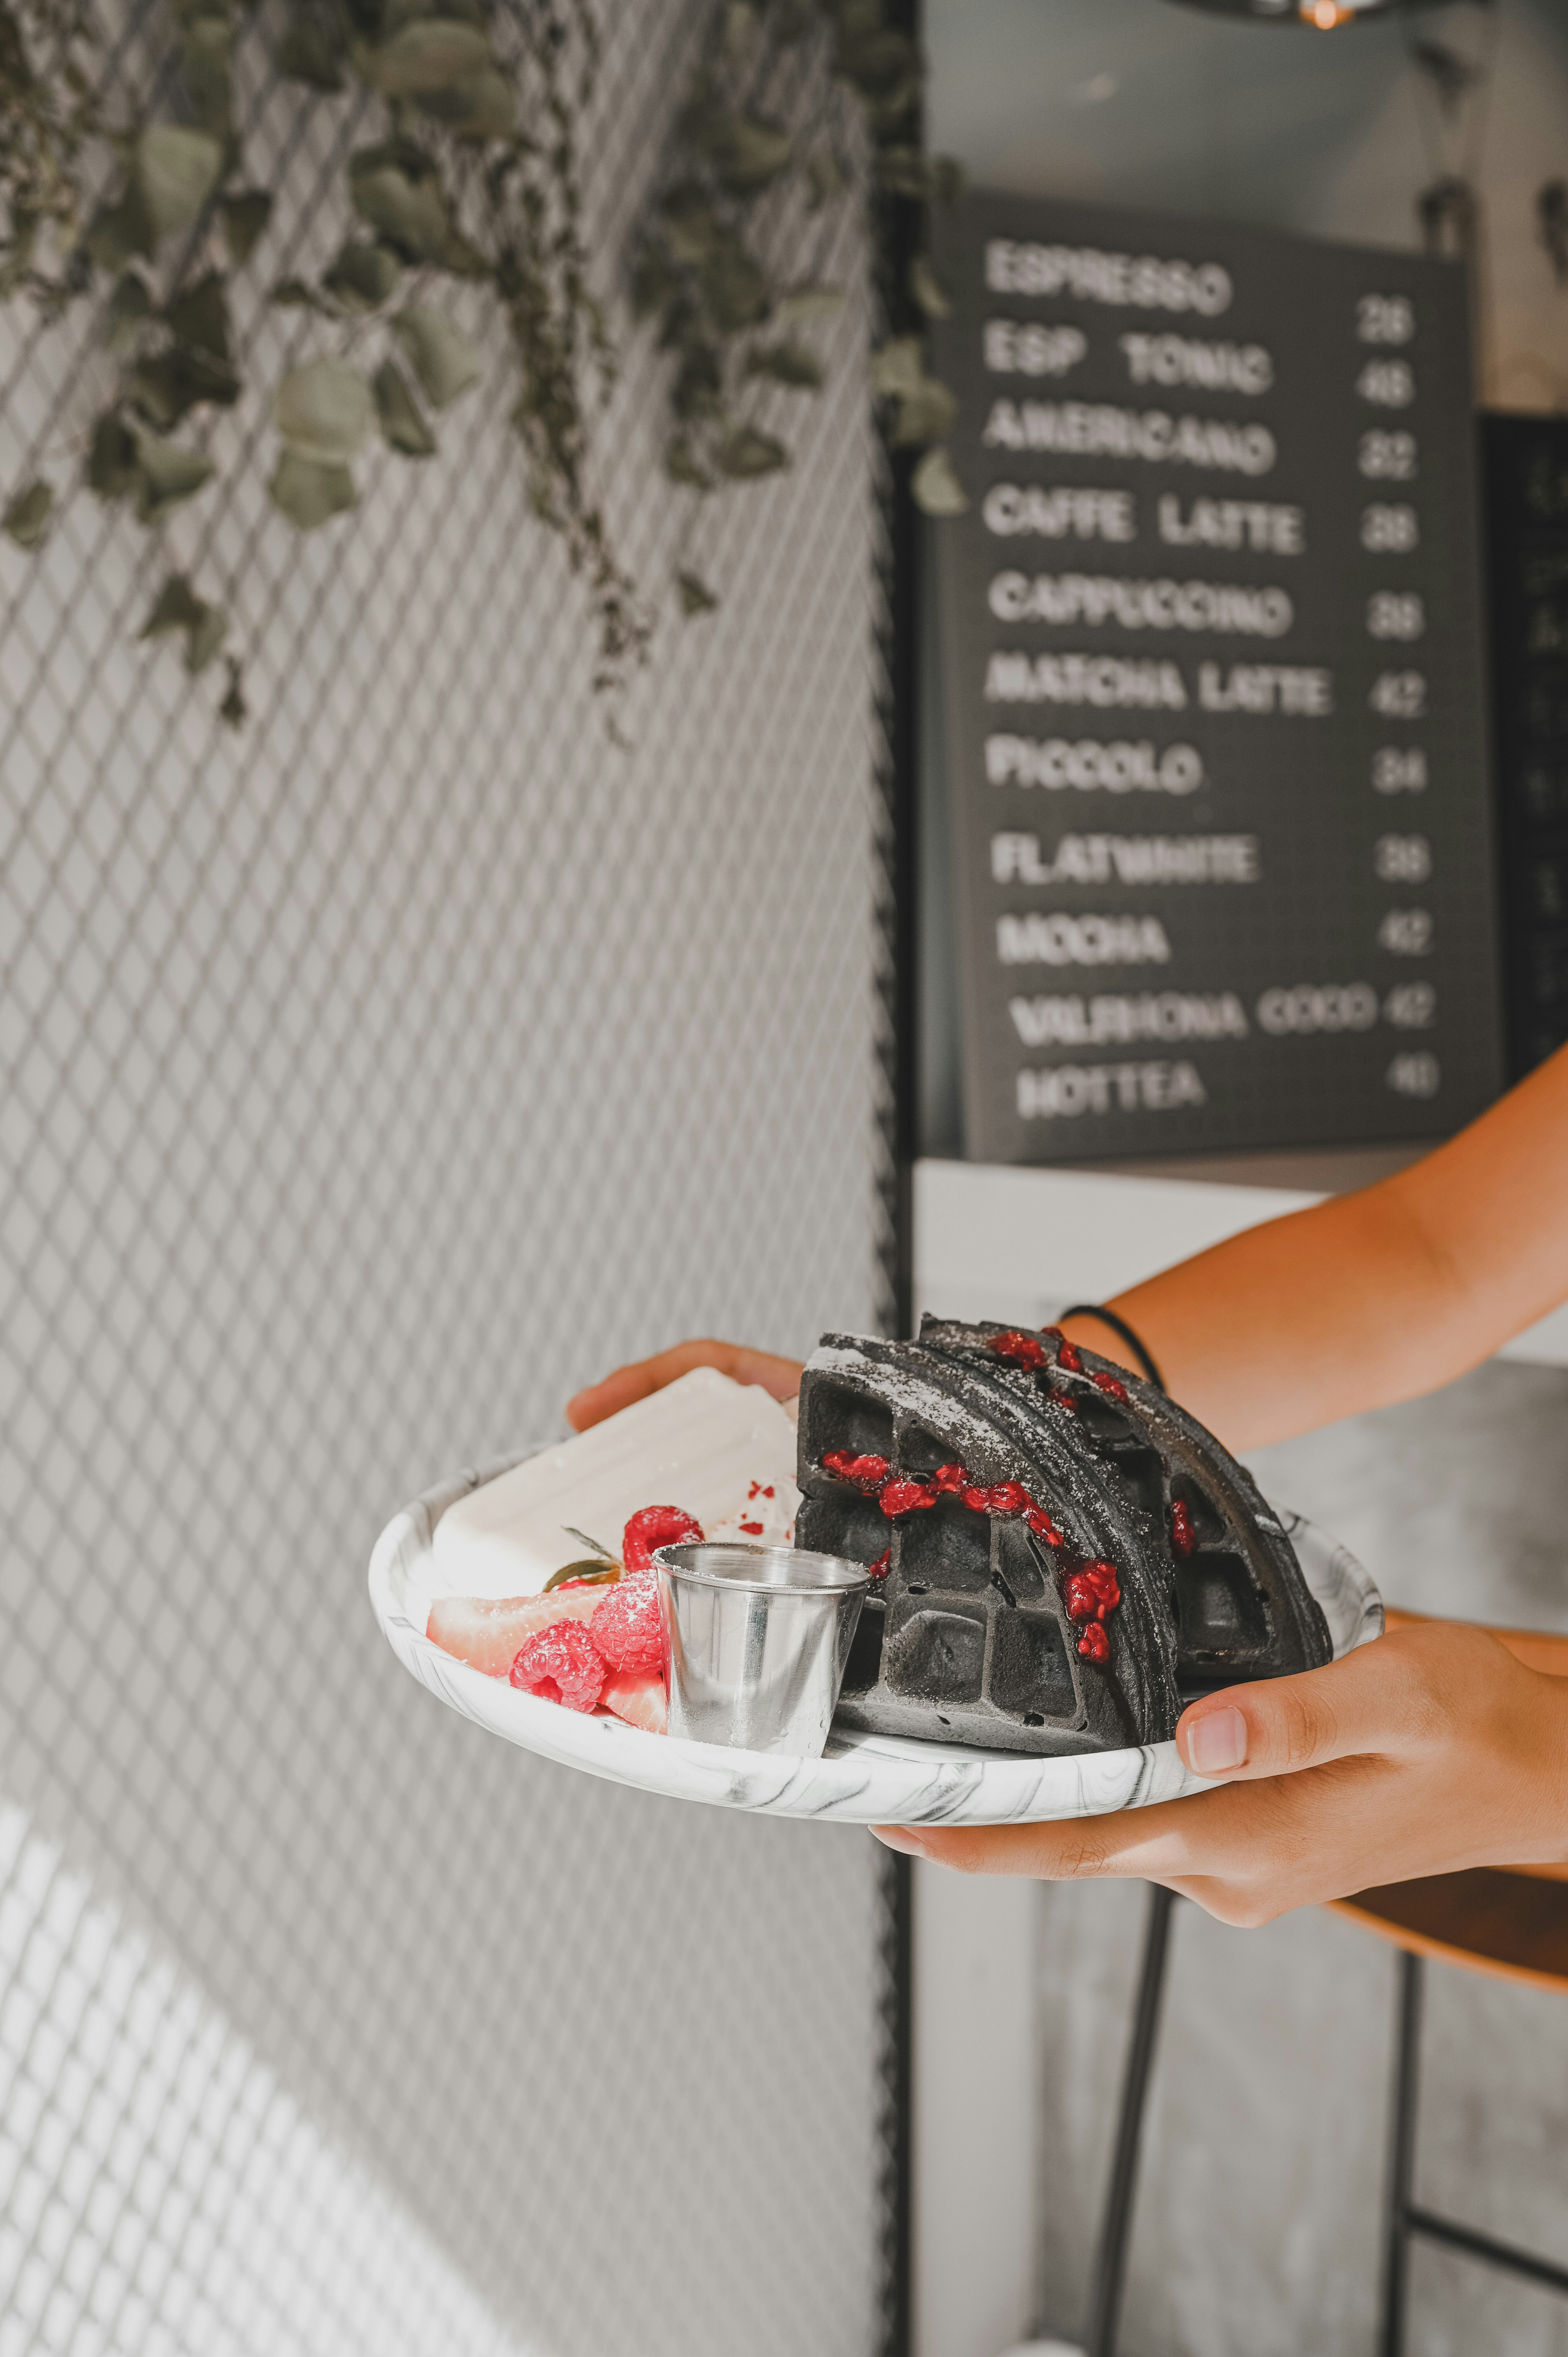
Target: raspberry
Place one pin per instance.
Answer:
(628, 1627)
(1094, 1644)
(1068, 1357)
(1022, 1349)
(867, 1473)
(1090, 1592)
(906, 1498)
(752, 1529)
(655, 1526)
(1040, 1522)
(949, 1477)
(1109, 1386)
(883, 1566)
(1184, 1538)
(562, 1664)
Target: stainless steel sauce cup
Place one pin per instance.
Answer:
(758, 1640)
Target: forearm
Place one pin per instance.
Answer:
(1374, 1297)
(1298, 1322)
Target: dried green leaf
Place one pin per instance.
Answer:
(402, 427)
(175, 171)
(363, 277)
(927, 289)
(696, 597)
(396, 189)
(800, 307)
(205, 44)
(163, 388)
(741, 28)
(825, 179)
(304, 54)
(443, 358)
(682, 465)
(177, 608)
(200, 316)
(233, 711)
(324, 410)
(898, 367)
(129, 304)
(748, 452)
(654, 282)
(119, 231)
(787, 363)
(311, 491)
(746, 151)
(432, 53)
(883, 68)
(166, 476)
(245, 215)
(691, 227)
(112, 458)
(205, 638)
(934, 486)
(296, 295)
(874, 57)
(902, 172)
(698, 389)
(27, 520)
(483, 107)
(734, 287)
(929, 414)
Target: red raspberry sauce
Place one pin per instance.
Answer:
(1089, 1593)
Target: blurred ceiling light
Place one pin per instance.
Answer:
(1323, 16)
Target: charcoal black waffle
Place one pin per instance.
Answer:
(991, 1625)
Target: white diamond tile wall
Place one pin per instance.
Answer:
(368, 1080)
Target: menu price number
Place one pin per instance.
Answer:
(1390, 531)
(1389, 383)
(1401, 860)
(1394, 614)
(1411, 1007)
(1399, 695)
(1406, 933)
(1399, 770)
(1416, 1073)
(1385, 319)
(1385, 457)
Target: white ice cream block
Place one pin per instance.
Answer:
(710, 1445)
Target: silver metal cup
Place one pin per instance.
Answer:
(758, 1640)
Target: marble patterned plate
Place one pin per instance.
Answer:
(861, 1779)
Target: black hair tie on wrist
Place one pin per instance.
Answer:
(1134, 1341)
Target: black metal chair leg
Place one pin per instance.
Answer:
(1402, 2156)
(1110, 2259)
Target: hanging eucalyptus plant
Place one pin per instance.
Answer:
(466, 173)
(736, 325)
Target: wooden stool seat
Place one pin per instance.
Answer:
(1489, 1919)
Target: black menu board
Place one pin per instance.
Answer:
(1527, 527)
(1212, 676)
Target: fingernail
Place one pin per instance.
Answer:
(899, 1837)
(1216, 1742)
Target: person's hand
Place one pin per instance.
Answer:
(779, 1376)
(1431, 1750)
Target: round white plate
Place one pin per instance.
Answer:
(861, 1780)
